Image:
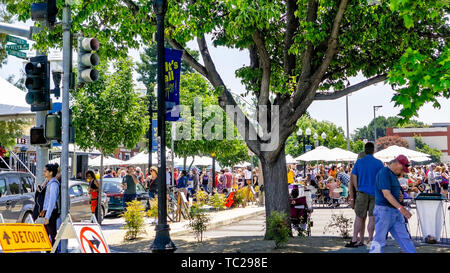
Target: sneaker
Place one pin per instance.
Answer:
(352, 244)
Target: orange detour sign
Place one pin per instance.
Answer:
(24, 238)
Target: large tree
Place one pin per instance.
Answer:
(299, 51)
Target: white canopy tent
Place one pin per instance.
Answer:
(393, 151)
(290, 159)
(13, 104)
(338, 154)
(320, 153)
(107, 161)
(142, 159)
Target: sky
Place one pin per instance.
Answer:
(360, 103)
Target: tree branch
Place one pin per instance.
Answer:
(292, 25)
(341, 93)
(188, 57)
(226, 99)
(266, 66)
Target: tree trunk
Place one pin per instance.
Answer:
(275, 185)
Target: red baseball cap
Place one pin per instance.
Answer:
(404, 161)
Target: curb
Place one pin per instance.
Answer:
(223, 222)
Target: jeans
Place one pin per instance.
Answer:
(389, 219)
(151, 194)
(128, 198)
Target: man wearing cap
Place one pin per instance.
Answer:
(389, 213)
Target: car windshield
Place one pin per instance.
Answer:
(112, 187)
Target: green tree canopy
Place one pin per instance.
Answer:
(109, 112)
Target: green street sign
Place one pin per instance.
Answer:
(16, 40)
(16, 53)
(18, 47)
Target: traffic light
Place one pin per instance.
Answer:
(37, 136)
(38, 84)
(45, 11)
(87, 59)
(53, 127)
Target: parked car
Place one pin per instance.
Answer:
(16, 196)
(80, 209)
(113, 189)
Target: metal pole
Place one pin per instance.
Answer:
(67, 69)
(150, 137)
(18, 31)
(348, 130)
(162, 242)
(173, 154)
(304, 162)
(375, 127)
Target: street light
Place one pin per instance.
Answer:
(162, 242)
(302, 138)
(323, 136)
(375, 108)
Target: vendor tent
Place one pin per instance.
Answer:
(107, 161)
(320, 153)
(338, 154)
(393, 151)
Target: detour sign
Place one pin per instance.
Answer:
(24, 238)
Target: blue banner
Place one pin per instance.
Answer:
(172, 81)
(154, 135)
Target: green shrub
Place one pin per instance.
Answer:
(217, 201)
(134, 219)
(153, 211)
(278, 228)
(198, 221)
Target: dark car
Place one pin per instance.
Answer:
(113, 189)
(16, 196)
(80, 208)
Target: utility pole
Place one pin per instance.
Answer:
(348, 134)
(162, 242)
(67, 70)
(375, 107)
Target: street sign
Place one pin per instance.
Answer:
(18, 47)
(21, 237)
(16, 53)
(16, 40)
(307, 148)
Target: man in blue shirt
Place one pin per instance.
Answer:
(363, 179)
(389, 213)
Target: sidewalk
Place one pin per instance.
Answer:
(114, 234)
(223, 241)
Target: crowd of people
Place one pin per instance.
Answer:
(189, 182)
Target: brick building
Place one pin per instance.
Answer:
(436, 136)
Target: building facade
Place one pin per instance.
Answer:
(436, 136)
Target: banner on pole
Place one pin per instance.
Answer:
(172, 83)
(154, 135)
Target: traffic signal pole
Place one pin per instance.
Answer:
(67, 71)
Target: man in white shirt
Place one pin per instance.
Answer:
(431, 178)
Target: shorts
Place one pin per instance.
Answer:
(444, 186)
(364, 203)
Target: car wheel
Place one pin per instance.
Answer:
(27, 218)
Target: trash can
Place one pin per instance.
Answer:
(430, 213)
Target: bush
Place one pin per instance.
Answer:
(134, 219)
(239, 197)
(278, 228)
(153, 211)
(202, 197)
(217, 201)
(341, 224)
(198, 221)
